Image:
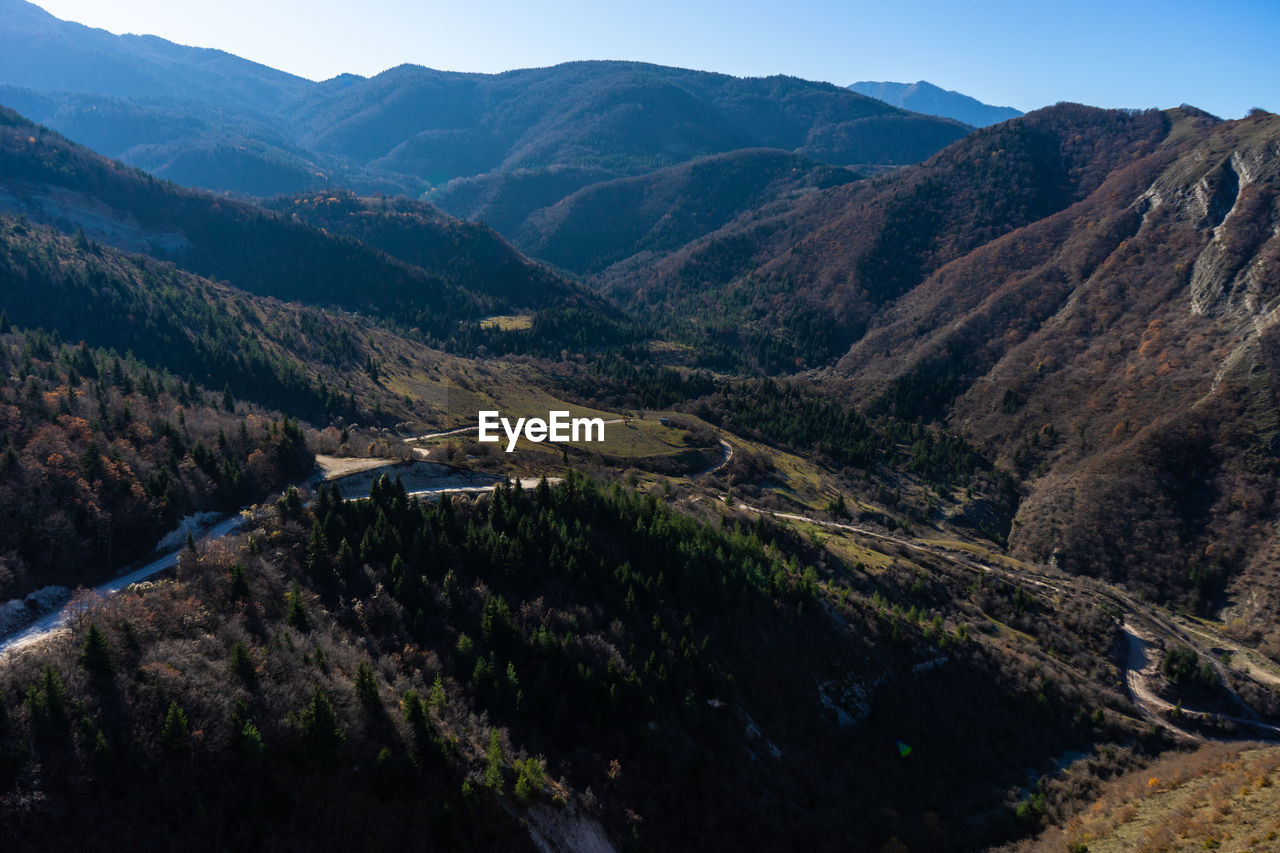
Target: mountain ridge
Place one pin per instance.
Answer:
(208, 119)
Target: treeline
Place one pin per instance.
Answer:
(100, 455)
(254, 250)
(444, 653)
(787, 342)
(629, 378)
(848, 252)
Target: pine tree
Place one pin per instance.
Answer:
(347, 564)
(296, 613)
(103, 755)
(367, 687)
(176, 727)
(493, 764)
(249, 740)
(438, 699)
(228, 399)
(239, 583)
(321, 730)
(318, 563)
(95, 653)
(290, 503)
(242, 664)
(47, 701)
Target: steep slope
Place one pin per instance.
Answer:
(198, 143)
(49, 179)
(104, 454)
(1219, 797)
(1121, 356)
(465, 253)
(1085, 295)
(657, 213)
(574, 649)
(924, 97)
(795, 283)
(504, 200)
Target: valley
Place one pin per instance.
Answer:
(612, 455)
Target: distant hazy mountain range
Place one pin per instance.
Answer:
(208, 119)
(924, 97)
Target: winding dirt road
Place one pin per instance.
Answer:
(726, 453)
(1141, 623)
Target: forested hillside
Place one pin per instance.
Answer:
(209, 119)
(795, 284)
(650, 215)
(1118, 356)
(570, 645)
(437, 295)
(464, 253)
(103, 454)
(931, 481)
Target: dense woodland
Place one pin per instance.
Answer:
(102, 455)
(164, 316)
(574, 642)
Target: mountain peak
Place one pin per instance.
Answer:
(925, 97)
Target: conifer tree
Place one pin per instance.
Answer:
(321, 730)
(239, 583)
(242, 664)
(367, 687)
(95, 653)
(176, 727)
(493, 764)
(295, 611)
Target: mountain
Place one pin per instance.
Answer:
(622, 117)
(444, 650)
(208, 119)
(1120, 355)
(467, 254)
(455, 273)
(612, 221)
(924, 97)
(39, 51)
(1082, 294)
(795, 283)
(961, 476)
(588, 658)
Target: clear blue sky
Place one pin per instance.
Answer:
(1220, 56)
